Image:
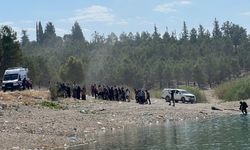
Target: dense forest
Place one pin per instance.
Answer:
(143, 59)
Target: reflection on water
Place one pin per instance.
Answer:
(219, 133)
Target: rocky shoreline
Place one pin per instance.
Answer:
(26, 124)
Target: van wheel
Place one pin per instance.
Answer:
(183, 100)
(167, 98)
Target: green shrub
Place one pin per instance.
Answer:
(53, 92)
(51, 105)
(234, 90)
(200, 96)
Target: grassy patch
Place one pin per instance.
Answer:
(234, 90)
(200, 96)
(155, 93)
(51, 105)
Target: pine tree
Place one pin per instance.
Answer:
(39, 33)
(166, 36)
(201, 32)
(216, 31)
(184, 32)
(77, 34)
(50, 32)
(11, 52)
(193, 35)
(156, 35)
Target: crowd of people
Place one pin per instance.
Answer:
(142, 96)
(102, 92)
(68, 91)
(26, 84)
(112, 93)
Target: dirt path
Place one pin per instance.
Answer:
(212, 99)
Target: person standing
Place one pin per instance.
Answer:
(128, 95)
(78, 92)
(243, 108)
(172, 98)
(148, 97)
(24, 83)
(83, 93)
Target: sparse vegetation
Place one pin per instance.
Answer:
(200, 96)
(155, 93)
(234, 90)
(51, 105)
(53, 92)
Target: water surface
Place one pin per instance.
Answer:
(225, 133)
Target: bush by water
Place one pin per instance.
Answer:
(234, 90)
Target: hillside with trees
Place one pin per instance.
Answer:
(143, 59)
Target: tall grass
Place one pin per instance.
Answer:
(234, 90)
(200, 96)
(155, 93)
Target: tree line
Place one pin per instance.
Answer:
(143, 59)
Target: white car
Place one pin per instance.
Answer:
(179, 95)
(166, 94)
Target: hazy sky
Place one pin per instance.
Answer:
(105, 16)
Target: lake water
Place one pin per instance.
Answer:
(225, 133)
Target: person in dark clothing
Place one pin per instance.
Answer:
(74, 91)
(96, 91)
(30, 84)
(136, 96)
(116, 94)
(78, 92)
(243, 107)
(128, 95)
(148, 97)
(111, 94)
(83, 93)
(141, 97)
(172, 98)
(68, 91)
(24, 83)
(105, 93)
(123, 94)
(119, 94)
(92, 90)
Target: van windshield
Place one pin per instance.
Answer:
(8, 77)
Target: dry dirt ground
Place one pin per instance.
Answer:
(26, 124)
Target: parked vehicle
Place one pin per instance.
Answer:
(13, 78)
(179, 95)
(166, 94)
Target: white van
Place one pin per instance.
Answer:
(13, 78)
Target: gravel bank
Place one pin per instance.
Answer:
(25, 124)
